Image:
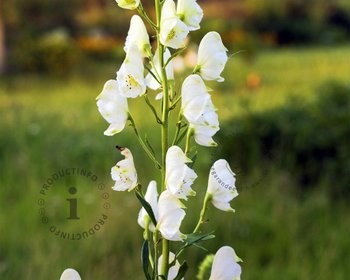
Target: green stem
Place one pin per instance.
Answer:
(188, 140)
(153, 109)
(178, 128)
(147, 237)
(143, 14)
(207, 199)
(155, 244)
(164, 130)
(142, 143)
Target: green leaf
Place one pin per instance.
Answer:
(149, 145)
(147, 207)
(194, 238)
(182, 271)
(145, 260)
(175, 54)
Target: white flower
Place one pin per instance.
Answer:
(190, 13)
(171, 214)
(173, 271)
(138, 36)
(212, 57)
(130, 75)
(225, 266)
(70, 274)
(128, 4)
(124, 172)
(199, 110)
(151, 197)
(221, 185)
(113, 107)
(173, 31)
(179, 177)
(151, 82)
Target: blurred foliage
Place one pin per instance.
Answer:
(298, 21)
(310, 141)
(53, 53)
(97, 28)
(277, 230)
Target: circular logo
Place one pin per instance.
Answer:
(73, 204)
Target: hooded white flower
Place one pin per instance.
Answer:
(151, 197)
(138, 36)
(151, 82)
(130, 75)
(212, 57)
(225, 266)
(113, 107)
(179, 177)
(171, 214)
(190, 13)
(70, 274)
(128, 4)
(221, 185)
(124, 172)
(173, 271)
(173, 31)
(199, 110)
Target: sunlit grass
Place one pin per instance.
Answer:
(49, 123)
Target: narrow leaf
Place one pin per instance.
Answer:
(182, 271)
(147, 207)
(145, 260)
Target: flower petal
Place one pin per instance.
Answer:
(179, 177)
(173, 31)
(190, 13)
(225, 266)
(124, 172)
(113, 107)
(70, 274)
(151, 197)
(199, 110)
(128, 4)
(173, 270)
(171, 214)
(130, 75)
(212, 57)
(138, 36)
(221, 185)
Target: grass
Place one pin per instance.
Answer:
(48, 124)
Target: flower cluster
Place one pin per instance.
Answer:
(145, 72)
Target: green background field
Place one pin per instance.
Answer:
(279, 230)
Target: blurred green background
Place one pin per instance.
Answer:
(284, 110)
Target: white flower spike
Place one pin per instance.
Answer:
(124, 172)
(70, 274)
(179, 177)
(138, 36)
(225, 266)
(190, 13)
(151, 197)
(113, 107)
(128, 4)
(151, 82)
(199, 110)
(173, 31)
(171, 214)
(130, 75)
(173, 270)
(221, 185)
(212, 57)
